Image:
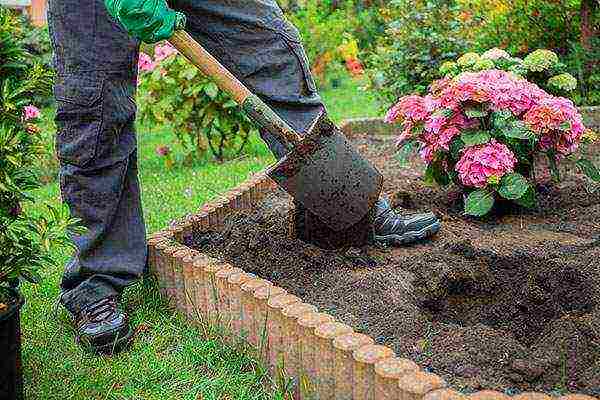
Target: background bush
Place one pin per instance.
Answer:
(570, 28)
(25, 237)
(173, 92)
(419, 36)
(325, 26)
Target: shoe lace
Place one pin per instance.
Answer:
(100, 310)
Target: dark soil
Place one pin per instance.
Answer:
(511, 302)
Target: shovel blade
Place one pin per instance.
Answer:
(330, 178)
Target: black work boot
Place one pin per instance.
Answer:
(394, 229)
(102, 327)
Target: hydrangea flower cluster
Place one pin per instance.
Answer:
(541, 67)
(540, 60)
(478, 129)
(161, 52)
(30, 112)
(495, 54)
(484, 164)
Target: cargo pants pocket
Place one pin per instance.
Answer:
(78, 118)
(291, 37)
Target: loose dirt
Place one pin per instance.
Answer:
(510, 302)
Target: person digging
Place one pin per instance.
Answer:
(96, 46)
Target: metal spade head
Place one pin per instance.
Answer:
(329, 177)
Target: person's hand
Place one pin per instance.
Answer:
(148, 20)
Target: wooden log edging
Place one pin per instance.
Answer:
(325, 358)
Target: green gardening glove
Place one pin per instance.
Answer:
(148, 20)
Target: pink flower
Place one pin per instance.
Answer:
(406, 133)
(480, 163)
(408, 107)
(163, 151)
(434, 123)
(162, 51)
(145, 63)
(446, 136)
(30, 112)
(427, 152)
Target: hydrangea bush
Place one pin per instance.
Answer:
(483, 130)
(26, 236)
(174, 92)
(541, 67)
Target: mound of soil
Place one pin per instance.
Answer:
(510, 302)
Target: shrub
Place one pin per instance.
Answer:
(36, 41)
(570, 28)
(173, 91)
(541, 67)
(483, 130)
(25, 238)
(419, 36)
(334, 34)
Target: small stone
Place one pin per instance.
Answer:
(528, 369)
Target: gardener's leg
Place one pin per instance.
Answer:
(253, 40)
(96, 64)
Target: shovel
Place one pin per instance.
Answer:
(321, 170)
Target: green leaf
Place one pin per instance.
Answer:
(475, 112)
(528, 200)
(435, 173)
(456, 147)
(405, 151)
(513, 186)
(565, 126)
(479, 202)
(473, 138)
(211, 90)
(589, 169)
(517, 130)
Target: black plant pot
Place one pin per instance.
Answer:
(11, 375)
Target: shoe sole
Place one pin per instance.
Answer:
(118, 345)
(410, 237)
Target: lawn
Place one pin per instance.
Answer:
(169, 359)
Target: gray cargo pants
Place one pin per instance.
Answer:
(96, 64)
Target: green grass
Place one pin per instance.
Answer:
(169, 359)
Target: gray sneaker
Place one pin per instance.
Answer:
(394, 229)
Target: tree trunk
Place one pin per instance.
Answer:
(588, 30)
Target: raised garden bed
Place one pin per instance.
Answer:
(510, 303)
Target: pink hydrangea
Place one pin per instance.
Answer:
(408, 107)
(479, 164)
(30, 112)
(162, 51)
(426, 153)
(437, 119)
(145, 63)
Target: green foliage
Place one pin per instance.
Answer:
(326, 26)
(513, 186)
(25, 239)
(479, 202)
(203, 117)
(419, 36)
(521, 25)
(36, 41)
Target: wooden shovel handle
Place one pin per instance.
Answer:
(255, 107)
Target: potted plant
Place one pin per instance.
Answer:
(25, 236)
(483, 132)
